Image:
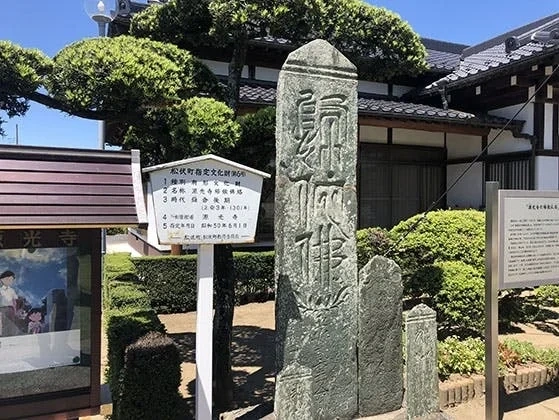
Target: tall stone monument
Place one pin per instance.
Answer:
(316, 212)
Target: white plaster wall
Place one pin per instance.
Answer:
(221, 68)
(506, 143)
(368, 134)
(467, 193)
(547, 173)
(462, 145)
(399, 90)
(266, 73)
(417, 137)
(372, 87)
(527, 114)
(548, 127)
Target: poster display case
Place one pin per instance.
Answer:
(55, 203)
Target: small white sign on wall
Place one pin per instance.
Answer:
(205, 200)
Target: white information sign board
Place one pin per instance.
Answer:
(529, 238)
(205, 200)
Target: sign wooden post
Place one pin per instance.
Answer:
(204, 201)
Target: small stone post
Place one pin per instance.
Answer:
(379, 341)
(422, 380)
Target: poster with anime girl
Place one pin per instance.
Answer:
(39, 292)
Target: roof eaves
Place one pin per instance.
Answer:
(482, 75)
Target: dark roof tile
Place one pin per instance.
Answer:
(264, 94)
(478, 61)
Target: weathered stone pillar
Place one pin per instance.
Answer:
(422, 380)
(316, 213)
(379, 343)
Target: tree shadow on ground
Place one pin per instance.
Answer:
(253, 360)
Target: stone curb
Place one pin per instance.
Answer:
(452, 393)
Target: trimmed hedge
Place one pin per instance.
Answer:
(153, 354)
(130, 325)
(170, 281)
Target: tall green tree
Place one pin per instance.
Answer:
(156, 96)
(377, 40)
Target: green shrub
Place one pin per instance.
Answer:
(370, 242)
(547, 295)
(116, 231)
(444, 235)
(118, 262)
(151, 377)
(126, 295)
(456, 355)
(123, 327)
(460, 301)
(254, 272)
(527, 352)
(170, 282)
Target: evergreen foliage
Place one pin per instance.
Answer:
(150, 378)
(444, 235)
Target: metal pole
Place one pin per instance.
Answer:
(491, 302)
(102, 25)
(204, 332)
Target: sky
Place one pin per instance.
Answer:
(49, 25)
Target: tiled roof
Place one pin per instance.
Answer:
(484, 59)
(441, 56)
(266, 95)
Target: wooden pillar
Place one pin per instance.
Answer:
(176, 249)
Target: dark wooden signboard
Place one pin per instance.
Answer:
(53, 204)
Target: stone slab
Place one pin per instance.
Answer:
(315, 223)
(379, 344)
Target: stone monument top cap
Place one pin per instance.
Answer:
(420, 311)
(322, 57)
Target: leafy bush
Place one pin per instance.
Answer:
(547, 295)
(460, 356)
(116, 231)
(123, 328)
(170, 282)
(444, 235)
(460, 301)
(370, 242)
(128, 317)
(467, 356)
(152, 353)
(118, 264)
(126, 295)
(527, 352)
(255, 276)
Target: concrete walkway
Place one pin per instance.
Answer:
(537, 403)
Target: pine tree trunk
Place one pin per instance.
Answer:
(236, 65)
(224, 270)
